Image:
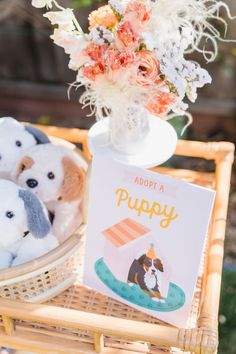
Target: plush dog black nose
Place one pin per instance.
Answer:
(31, 183)
(153, 271)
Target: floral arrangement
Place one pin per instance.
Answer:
(135, 56)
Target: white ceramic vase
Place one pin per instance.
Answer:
(129, 129)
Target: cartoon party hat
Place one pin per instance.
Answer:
(151, 252)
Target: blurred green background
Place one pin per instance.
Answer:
(34, 80)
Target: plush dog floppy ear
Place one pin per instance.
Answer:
(25, 163)
(39, 136)
(73, 182)
(38, 224)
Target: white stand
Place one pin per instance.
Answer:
(157, 147)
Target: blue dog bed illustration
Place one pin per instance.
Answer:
(135, 295)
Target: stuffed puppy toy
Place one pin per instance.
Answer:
(14, 139)
(57, 176)
(25, 229)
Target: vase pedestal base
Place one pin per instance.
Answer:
(159, 146)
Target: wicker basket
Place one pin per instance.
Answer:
(80, 320)
(46, 276)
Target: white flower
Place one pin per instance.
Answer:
(42, 3)
(77, 59)
(101, 35)
(68, 40)
(196, 78)
(64, 18)
(185, 75)
(119, 5)
(73, 44)
(179, 107)
(149, 40)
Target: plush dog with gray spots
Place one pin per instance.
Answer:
(25, 230)
(16, 138)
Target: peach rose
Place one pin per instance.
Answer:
(148, 68)
(104, 16)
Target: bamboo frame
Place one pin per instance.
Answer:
(203, 339)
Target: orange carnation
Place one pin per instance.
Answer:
(137, 14)
(92, 71)
(95, 51)
(126, 38)
(104, 16)
(116, 60)
(160, 105)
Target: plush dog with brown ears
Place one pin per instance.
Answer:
(57, 176)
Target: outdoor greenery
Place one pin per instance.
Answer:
(227, 314)
(83, 3)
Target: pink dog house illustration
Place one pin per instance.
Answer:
(126, 241)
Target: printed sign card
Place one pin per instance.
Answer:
(145, 238)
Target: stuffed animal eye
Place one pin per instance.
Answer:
(51, 175)
(9, 214)
(18, 143)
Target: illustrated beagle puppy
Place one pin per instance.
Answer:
(25, 230)
(14, 139)
(144, 272)
(57, 176)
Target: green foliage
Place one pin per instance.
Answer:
(78, 4)
(81, 3)
(45, 120)
(227, 314)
